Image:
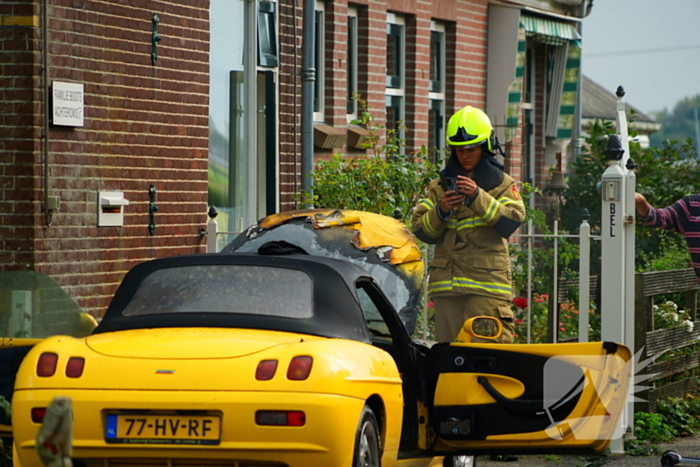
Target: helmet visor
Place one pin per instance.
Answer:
(465, 140)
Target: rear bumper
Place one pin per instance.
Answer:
(327, 438)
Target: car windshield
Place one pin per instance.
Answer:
(257, 290)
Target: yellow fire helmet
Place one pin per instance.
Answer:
(470, 127)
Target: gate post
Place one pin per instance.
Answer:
(617, 307)
(584, 234)
(212, 230)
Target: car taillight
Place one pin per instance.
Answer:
(38, 414)
(75, 366)
(46, 366)
(266, 370)
(299, 368)
(280, 418)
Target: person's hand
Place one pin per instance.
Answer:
(466, 186)
(450, 200)
(640, 202)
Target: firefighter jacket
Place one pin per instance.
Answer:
(471, 248)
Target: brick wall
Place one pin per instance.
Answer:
(144, 124)
(466, 22)
(19, 68)
(290, 41)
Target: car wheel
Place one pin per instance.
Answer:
(367, 441)
(459, 461)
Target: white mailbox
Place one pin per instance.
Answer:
(110, 208)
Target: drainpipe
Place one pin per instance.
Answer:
(250, 72)
(308, 76)
(48, 214)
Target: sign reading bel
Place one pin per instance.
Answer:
(67, 104)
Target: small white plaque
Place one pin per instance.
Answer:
(68, 104)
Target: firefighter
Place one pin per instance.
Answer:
(469, 213)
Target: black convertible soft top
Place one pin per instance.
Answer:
(336, 311)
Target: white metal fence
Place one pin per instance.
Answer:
(584, 236)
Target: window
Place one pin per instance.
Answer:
(352, 63)
(248, 289)
(394, 112)
(267, 35)
(375, 322)
(319, 62)
(436, 130)
(395, 72)
(436, 113)
(394, 51)
(437, 58)
(228, 161)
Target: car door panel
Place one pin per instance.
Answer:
(527, 398)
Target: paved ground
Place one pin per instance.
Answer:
(686, 447)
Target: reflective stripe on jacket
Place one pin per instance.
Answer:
(471, 250)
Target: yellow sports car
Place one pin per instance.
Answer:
(292, 348)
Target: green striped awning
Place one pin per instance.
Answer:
(567, 109)
(515, 90)
(563, 70)
(548, 31)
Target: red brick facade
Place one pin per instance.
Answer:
(147, 124)
(466, 42)
(19, 79)
(144, 124)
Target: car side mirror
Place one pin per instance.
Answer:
(85, 324)
(481, 327)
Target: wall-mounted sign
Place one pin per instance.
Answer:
(67, 104)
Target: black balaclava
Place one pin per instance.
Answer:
(488, 173)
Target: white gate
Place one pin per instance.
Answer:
(585, 238)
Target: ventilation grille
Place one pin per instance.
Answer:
(452, 428)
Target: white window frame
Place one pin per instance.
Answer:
(352, 65)
(320, 48)
(394, 19)
(440, 28)
(267, 31)
(400, 91)
(439, 96)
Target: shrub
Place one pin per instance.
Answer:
(682, 414)
(674, 417)
(386, 182)
(653, 428)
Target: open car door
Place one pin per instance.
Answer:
(535, 398)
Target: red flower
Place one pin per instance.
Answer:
(430, 304)
(520, 302)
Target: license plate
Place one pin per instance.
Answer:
(163, 429)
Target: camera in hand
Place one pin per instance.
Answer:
(451, 183)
